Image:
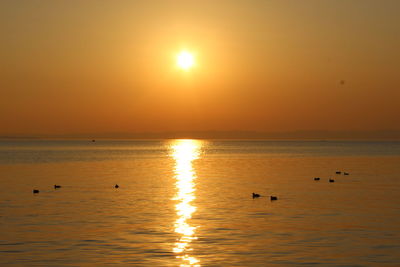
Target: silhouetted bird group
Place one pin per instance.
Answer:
(56, 186)
(315, 179)
(332, 180)
(271, 197)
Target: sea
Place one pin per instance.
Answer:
(189, 203)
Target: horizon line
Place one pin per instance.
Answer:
(256, 135)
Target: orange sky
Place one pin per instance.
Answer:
(109, 66)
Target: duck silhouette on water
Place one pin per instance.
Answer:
(116, 186)
(57, 186)
(271, 197)
(35, 191)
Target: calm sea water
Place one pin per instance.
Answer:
(188, 203)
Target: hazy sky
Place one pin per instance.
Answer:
(109, 66)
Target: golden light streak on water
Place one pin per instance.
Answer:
(184, 153)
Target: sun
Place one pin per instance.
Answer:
(185, 60)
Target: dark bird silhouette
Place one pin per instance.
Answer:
(35, 191)
(338, 172)
(345, 173)
(316, 179)
(273, 198)
(331, 180)
(256, 195)
(57, 186)
(116, 186)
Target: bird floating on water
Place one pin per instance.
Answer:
(116, 186)
(273, 198)
(338, 172)
(331, 180)
(256, 195)
(35, 191)
(57, 186)
(316, 179)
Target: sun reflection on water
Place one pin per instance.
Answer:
(184, 153)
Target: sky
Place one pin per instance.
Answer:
(75, 67)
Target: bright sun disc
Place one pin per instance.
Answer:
(185, 60)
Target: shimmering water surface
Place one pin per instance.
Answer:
(188, 203)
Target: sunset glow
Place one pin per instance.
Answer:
(199, 133)
(211, 69)
(185, 60)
